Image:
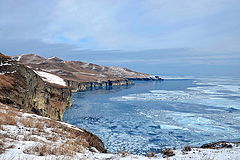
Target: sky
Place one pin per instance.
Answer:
(186, 37)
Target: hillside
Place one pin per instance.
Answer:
(77, 70)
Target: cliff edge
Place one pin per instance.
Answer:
(22, 88)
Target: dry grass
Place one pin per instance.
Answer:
(52, 138)
(29, 137)
(2, 147)
(186, 149)
(168, 153)
(31, 123)
(58, 131)
(52, 124)
(44, 132)
(123, 153)
(6, 119)
(152, 154)
(67, 149)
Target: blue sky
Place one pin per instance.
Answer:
(158, 36)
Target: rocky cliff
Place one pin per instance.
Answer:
(81, 75)
(22, 88)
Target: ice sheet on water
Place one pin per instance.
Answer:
(170, 127)
(212, 93)
(145, 120)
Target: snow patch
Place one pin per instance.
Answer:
(18, 58)
(85, 65)
(6, 72)
(52, 57)
(51, 78)
(5, 64)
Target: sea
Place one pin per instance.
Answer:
(152, 115)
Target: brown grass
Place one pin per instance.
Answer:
(6, 119)
(168, 153)
(29, 137)
(58, 131)
(52, 124)
(66, 149)
(71, 140)
(187, 149)
(31, 123)
(53, 138)
(123, 153)
(2, 148)
(152, 154)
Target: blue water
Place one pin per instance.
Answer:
(151, 115)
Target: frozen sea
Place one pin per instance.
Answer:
(151, 115)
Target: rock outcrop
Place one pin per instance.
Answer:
(22, 88)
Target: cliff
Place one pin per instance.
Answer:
(81, 75)
(22, 88)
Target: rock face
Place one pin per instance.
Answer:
(82, 86)
(23, 88)
(80, 75)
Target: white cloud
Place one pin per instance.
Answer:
(119, 24)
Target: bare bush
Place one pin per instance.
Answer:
(67, 149)
(2, 148)
(168, 153)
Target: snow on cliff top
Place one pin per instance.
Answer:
(51, 78)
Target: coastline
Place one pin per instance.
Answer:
(83, 86)
(29, 92)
